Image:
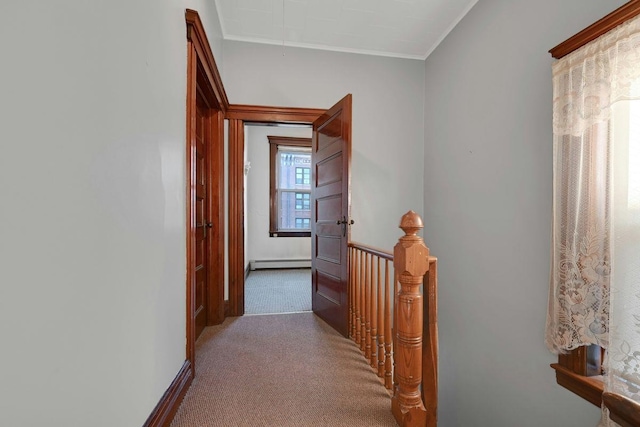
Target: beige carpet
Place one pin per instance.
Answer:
(277, 291)
(281, 370)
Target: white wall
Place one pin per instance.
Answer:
(387, 120)
(487, 184)
(260, 245)
(92, 236)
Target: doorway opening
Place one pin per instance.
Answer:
(330, 198)
(277, 227)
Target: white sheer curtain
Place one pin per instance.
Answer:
(595, 278)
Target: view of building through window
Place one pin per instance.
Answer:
(294, 188)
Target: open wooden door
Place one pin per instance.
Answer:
(330, 217)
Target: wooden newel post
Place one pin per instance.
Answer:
(411, 262)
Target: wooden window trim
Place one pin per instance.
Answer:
(580, 371)
(274, 143)
(619, 16)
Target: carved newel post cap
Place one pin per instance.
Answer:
(411, 223)
(410, 255)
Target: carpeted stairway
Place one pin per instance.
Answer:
(281, 370)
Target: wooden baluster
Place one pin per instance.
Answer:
(388, 380)
(374, 315)
(358, 291)
(380, 337)
(393, 327)
(367, 287)
(411, 262)
(430, 345)
(354, 294)
(363, 309)
(351, 288)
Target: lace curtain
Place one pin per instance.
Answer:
(595, 278)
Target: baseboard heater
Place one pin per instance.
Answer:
(279, 263)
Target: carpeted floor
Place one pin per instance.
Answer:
(277, 291)
(281, 370)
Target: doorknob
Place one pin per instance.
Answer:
(344, 223)
(206, 225)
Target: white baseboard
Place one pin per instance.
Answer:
(279, 263)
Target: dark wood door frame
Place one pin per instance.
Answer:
(203, 78)
(238, 115)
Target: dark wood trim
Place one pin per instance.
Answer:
(197, 36)
(264, 114)
(619, 16)
(589, 388)
(274, 143)
(236, 217)
(580, 371)
(217, 211)
(163, 413)
(622, 410)
(203, 78)
(584, 360)
(227, 310)
(192, 61)
(291, 141)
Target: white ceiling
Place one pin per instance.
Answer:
(397, 28)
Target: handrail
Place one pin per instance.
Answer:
(372, 250)
(394, 326)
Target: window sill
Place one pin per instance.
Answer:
(289, 234)
(589, 388)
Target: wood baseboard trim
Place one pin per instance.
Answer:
(166, 408)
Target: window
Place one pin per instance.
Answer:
(595, 288)
(303, 202)
(303, 176)
(302, 223)
(290, 187)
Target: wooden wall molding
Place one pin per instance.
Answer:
(192, 62)
(217, 210)
(170, 402)
(236, 217)
(619, 16)
(264, 114)
(197, 35)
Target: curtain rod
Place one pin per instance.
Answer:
(619, 16)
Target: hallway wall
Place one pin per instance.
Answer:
(487, 192)
(92, 234)
(387, 120)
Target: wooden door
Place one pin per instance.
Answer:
(202, 214)
(330, 217)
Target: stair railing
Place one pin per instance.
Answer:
(371, 296)
(394, 326)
